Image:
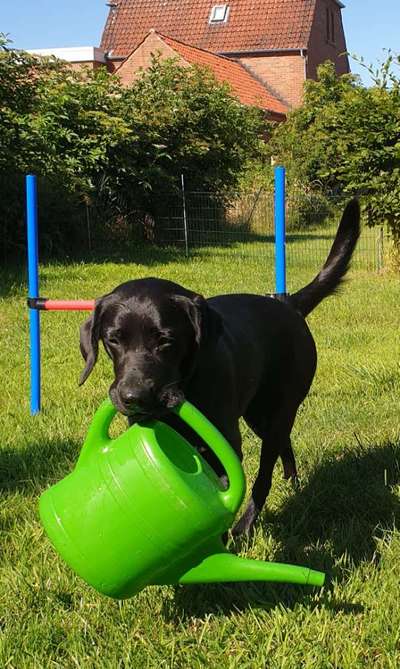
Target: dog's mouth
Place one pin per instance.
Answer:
(137, 412)
(142, 417)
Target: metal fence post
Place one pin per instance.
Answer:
(33, 289)
(88, 226)
(185, 225)
(380, 250)
(280, 241)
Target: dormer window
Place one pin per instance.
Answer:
(219, 14)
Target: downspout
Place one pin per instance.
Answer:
(303, 54)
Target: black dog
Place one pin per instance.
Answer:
(231, 355)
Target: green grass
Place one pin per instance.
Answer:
(344, 519)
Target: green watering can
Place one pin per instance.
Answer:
(146, 509)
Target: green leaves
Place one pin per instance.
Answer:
(347, 138)
(94, 140)
(77, 126)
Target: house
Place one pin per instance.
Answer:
(243, 85)
(264, 50)
(279, 42)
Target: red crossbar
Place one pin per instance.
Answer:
(68, 305)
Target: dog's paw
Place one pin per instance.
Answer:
(245, 526)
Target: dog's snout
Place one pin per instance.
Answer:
(141, 394)
(127, 396)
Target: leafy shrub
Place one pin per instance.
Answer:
(98, 143)
(346, 137)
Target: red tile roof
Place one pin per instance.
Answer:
(252, 25)
(244, 86)
(242, 83)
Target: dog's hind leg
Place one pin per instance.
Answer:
(289, 464)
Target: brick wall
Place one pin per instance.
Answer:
(282, 74)
(141, 58)
(88, 65)
(113, 65)
(320, 47)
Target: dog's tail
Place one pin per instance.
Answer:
(336, 265)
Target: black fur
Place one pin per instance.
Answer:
(231, 355)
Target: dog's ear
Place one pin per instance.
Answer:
(207, 323)
(89, 340)
(211, 325)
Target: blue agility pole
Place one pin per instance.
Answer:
(280, 242)
(33, 290)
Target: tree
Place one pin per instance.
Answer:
(92, 139)
(346, 137)
(21, 77)
(193, 122)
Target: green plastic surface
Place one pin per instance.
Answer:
(145, 508)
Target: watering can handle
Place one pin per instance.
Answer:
(233, 496)
(98, 437)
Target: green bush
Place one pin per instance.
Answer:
(98, 143)
(346, 138)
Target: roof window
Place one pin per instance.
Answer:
(219, 14)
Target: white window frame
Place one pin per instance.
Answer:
(219, 14)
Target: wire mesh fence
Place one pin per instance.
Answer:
(190, 223)
(245, 225)
(196, 223)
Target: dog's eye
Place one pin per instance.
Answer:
(163, 344)
(113, 338)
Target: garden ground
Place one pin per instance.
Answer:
(344, 518)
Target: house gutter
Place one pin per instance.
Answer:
(109, 55)
(261, 52)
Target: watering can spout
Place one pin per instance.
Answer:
(227, 567)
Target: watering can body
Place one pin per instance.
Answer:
(143, 508)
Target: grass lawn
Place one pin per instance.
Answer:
(344, 519)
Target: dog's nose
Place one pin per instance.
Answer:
(142, 396)
(127, 396)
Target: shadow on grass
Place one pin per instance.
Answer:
(347, 502)
(13, 280)
(344, 505)
(13, 276)
(27, 470)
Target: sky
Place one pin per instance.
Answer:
(370, 25)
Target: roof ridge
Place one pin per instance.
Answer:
(267, 24)
(153, 31)
(192, 46)
(244, 85)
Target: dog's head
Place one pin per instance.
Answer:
(153, 331)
